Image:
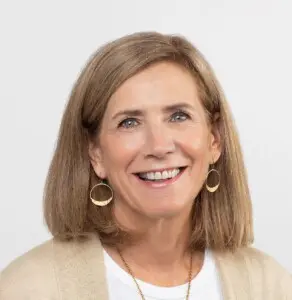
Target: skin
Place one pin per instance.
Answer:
(155, 138)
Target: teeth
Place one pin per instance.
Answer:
(150, 176)
(174, 172)
(164, 175)
(160, 175)
(157, 175)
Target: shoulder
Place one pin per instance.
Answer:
(53, 269)
(256, 259)
(252, 265)
(44, 268)
(31, 272)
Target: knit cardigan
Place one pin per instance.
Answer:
(57, 270)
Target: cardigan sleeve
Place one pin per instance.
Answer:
(267, 272)
(55, 270)
(30, 276)
(249, 273)
(286, 286)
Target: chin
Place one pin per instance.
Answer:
(167, 211)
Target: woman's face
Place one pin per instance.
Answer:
(155, 145)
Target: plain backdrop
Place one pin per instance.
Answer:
(44, 45)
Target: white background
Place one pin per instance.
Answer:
(43, 46)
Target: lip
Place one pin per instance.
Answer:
(161, 184)
(161, 170)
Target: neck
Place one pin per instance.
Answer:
(163, 244)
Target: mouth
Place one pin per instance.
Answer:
(166, 175)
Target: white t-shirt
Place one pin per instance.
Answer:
(121, 286)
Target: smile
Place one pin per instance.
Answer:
(161, 176)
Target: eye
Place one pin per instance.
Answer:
(128, 123)
(179, 116)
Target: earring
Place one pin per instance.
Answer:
(212, 189)
(105, 202)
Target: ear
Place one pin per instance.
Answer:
(96, 159)
(215, 139)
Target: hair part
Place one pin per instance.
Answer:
(220, 220)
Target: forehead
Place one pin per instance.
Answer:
(161, 84)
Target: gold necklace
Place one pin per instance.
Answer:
(138, 287)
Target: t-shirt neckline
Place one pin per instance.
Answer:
(149, 290)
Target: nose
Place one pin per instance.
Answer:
(159, 142)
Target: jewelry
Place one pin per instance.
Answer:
(104, 202)
(215, 187)
(138, 287)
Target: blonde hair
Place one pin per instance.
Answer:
(220, 220)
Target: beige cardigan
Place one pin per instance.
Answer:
(75, 270)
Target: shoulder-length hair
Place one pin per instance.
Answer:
(220, 220)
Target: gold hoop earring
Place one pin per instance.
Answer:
(214, 188)
(104, 202)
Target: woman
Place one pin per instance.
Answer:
(147, 195)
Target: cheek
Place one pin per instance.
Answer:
(121, 148)
(194, 143)
(194, 140)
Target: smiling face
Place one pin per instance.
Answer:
(155, 144)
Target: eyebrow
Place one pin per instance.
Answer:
(166, 109)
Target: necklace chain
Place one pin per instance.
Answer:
(190, 275)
